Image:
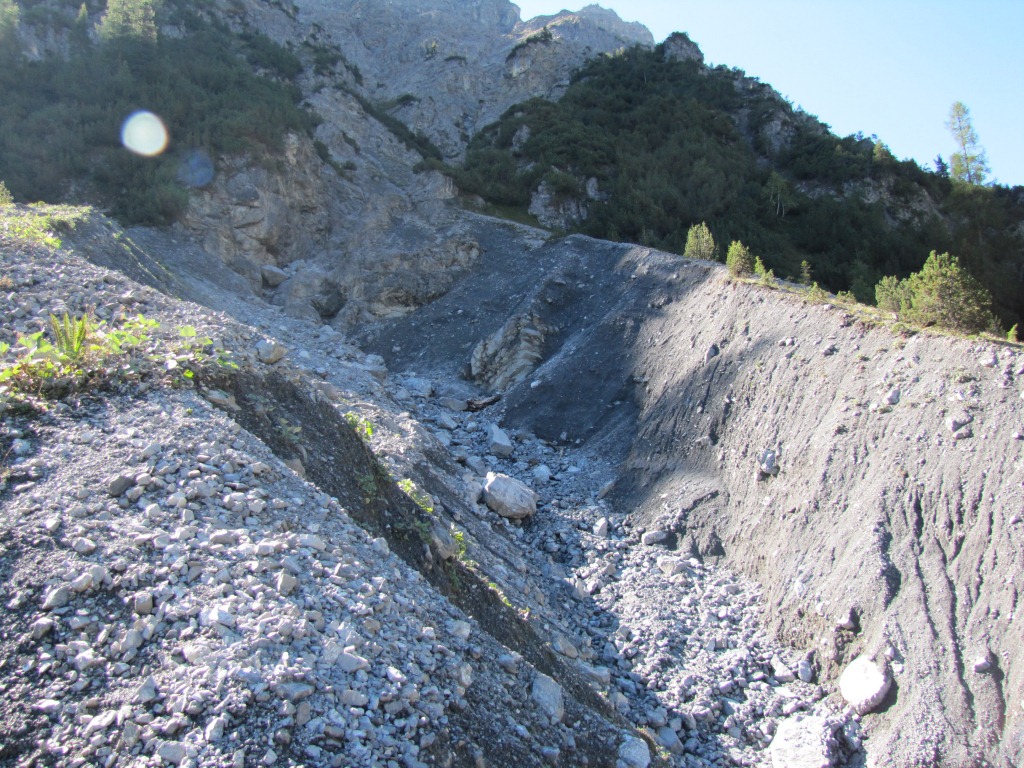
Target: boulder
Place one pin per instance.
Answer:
(548, 696)
(509, 497)
(270, 351)
(864, 683)
(499, 443)
(272, 276)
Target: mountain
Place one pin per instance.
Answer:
(339, 457)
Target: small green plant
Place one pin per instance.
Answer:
(805, 272)
(1011, 335)
(739, 260)
(69, 336)
(942, 293)
(362, 426)
(762, 273)
(421, 497)
(6, 198)
(817, 294)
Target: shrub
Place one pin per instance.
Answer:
(5, 195)
(700, 244)
(889, 294)
(765, 275)
(739, 260)
(941, 294)
(1011, 335)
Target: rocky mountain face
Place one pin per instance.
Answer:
(476, 495)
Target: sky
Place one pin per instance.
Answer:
(891, 68)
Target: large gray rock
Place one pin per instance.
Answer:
(509, 497)
(548, 696)
(634, 753)
(499, 443)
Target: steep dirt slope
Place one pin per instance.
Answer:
(896, 510)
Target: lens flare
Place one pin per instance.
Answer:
(144, 134)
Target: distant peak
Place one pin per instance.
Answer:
(604, 19)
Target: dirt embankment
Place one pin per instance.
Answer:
(897, 504)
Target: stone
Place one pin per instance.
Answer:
(56, 597)
(983, 663)
(601, 528)
(803, 742)
(147, 691)
(352, 698)
(272, 276)
(84, 546)
(143, 603)
(864, 684)
(657, 538)
(542, 473)
(781, 672)
(548, 696)
(508, 497)
(634, 753)
(499, 443)
(172, 752)
(892, 397)
(804, 671)
(768, 463)
(214, 730)
(270, 351)
(711, 354)
(958, 422)
(286, 583)
(118, 485)
(350, 662)
(669, 740)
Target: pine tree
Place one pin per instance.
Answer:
(129, 19)
(739, 260)
(969, 164)
(700, 244)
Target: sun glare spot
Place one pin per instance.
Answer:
(144, 134)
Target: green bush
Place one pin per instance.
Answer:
(941, 294)
(739, 260)
(5, 195)
(700, 244)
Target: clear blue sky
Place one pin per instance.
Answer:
(891, 68)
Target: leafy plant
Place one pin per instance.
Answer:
(362, 426)
(6, 198)
(421, 497)
(69, 336)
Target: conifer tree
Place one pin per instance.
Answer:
(700, 244)
(134, 19)
(969, 163)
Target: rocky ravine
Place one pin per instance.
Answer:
(869, 480)
(179, 595)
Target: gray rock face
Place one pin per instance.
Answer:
(680, 47)
(509, 497)
(557, 211)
